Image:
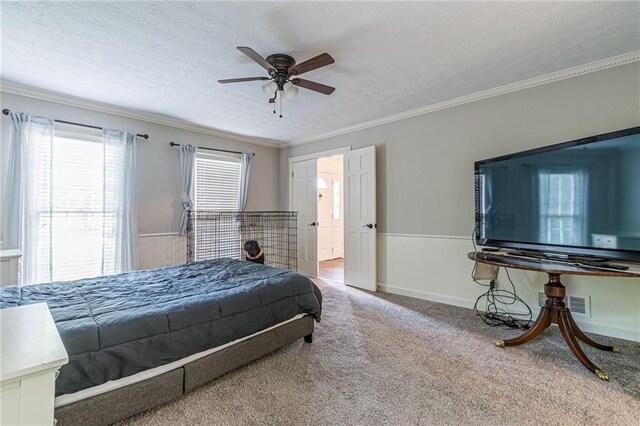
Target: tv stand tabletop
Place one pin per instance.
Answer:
(556, 267)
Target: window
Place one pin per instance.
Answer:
(217, 188)
(75, 207)
(562, 209)
(322, 184)
(217, 182)
(336, 200)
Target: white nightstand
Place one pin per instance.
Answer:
(31, 353)
(9, 263)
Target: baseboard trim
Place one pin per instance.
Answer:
(425, 295)
(605, 330)
(589, 327)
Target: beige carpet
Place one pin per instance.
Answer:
(384, 359)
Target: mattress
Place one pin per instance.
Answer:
(120, 325)
(154, 372)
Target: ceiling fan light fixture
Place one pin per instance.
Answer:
(283, 75)
(270, 88)
(290, 91)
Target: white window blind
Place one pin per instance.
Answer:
(561, 214)
(217, 188)
(75, 223)
(217, 182)
(563, 207)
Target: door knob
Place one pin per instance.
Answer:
(313, 224)
(368, 225)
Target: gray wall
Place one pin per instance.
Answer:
(158, 163)
(425, 163)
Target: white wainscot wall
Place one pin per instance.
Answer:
(158, 250)
(436, 268)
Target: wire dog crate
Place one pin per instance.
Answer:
(216, 234)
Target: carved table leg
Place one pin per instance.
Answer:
(570, 338)
(556, 312)
(542, 322)
(580, 335)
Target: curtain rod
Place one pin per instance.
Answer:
(215, 149)
(145, 136)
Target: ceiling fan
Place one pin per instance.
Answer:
(283, 72)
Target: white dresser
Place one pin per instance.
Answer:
(9, 263)
(31, 354)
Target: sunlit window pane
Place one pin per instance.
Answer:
(336, 199)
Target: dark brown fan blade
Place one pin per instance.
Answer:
(239, 80)
(259, 59)
(312, 85)
(311, 64)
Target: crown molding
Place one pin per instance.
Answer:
(604, 64)
(59, 98)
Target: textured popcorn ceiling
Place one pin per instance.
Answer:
(166, 57)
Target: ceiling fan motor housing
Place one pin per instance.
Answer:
(281, 63)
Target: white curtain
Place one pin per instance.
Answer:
(120, 201)
(23, 194)
(245, 172)
(187, 167)
(71, 201)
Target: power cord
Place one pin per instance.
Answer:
(497, 302)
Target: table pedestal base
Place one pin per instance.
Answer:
(556, 312)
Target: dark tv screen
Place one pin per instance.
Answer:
(580, 197)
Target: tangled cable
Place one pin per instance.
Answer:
(499, 302)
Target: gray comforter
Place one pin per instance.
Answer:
(119, 325)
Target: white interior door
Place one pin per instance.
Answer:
(325, 221)
(304, 200)
(360, 218)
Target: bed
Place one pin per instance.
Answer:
(142, 338)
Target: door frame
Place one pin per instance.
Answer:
(316, 155)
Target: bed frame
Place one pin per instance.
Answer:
(147, 394)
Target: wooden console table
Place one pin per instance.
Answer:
(555, 311)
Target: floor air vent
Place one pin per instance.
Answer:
(579, 305)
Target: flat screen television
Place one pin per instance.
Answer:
(579, 198)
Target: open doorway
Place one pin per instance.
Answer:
(357, 215)
(330, 218)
